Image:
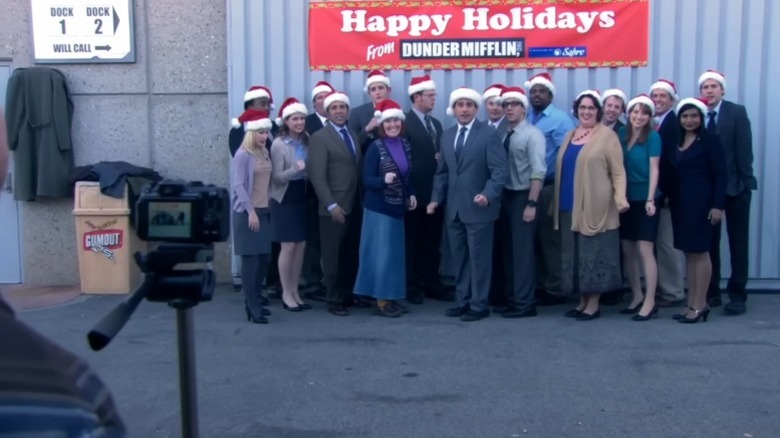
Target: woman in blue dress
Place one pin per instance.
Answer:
(386, 169)
(693, 174)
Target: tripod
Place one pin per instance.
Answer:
(182, 290)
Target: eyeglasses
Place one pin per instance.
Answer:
(511, 103)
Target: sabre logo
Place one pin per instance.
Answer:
(103, 239)
(558, 52)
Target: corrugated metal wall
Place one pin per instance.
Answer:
(267, 45)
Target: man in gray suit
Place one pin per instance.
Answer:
(361, 119)
(334, 171)
(493, 108)
(730, 121)
(469, 181)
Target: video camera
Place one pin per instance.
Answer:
(187, 218)
(179, 212)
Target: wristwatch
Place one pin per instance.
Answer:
(531, 203)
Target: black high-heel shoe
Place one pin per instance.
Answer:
(255, 319)
(653, 314)
(702, 314)
(679, 316)
(631, 311)
(298, 308)
(304, 306)
(263, 311)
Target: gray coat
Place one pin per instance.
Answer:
(481, 169)
(39, 113)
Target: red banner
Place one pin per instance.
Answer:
(477, 34)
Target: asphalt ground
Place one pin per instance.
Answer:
(314, 375)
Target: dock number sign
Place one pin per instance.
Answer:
(75, 31)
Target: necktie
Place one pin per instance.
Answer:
(711, 126)
(348, 141)
(461, 140)
(506, 139)
(431, 131)
(493, 125)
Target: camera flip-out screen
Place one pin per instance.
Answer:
(170, 220)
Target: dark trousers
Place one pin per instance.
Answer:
(738, 231)
(548, 247)
(423, 246)
(519, 255)
(472, 256)
(340, 245)
(501, 244)
(253, 270)
(312, 257)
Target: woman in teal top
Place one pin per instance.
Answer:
(639, 225)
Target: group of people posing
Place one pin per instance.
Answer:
(539, 202)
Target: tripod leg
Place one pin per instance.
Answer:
(187, 385)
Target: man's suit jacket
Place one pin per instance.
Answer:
(423, 155)
(669, 130)
(733, 127)
(313, 123)
(481, 169)
(333, 170)
(503, 125)
(358, 119)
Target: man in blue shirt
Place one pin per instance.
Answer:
(554, 124)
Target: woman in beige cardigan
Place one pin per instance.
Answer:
(590, 192)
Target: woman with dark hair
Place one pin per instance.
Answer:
(590, 192)
(693, 174)
(639, 225)
(251, 175)
(290, 194)
(386, 169)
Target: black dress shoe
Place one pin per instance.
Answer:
(440, 293)
(653, 314)
(631, 311)
(517, 313)
(457, 312)
(588, 316)
(472, 315)
(338, 310)
(297, 308)
(359, 303)
(573, 313)
(735, 308)
(304, 306)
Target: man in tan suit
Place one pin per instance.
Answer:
(334, 170)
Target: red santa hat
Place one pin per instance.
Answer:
(463, 93)
(259, 92)
(321, 87)
(699, 102)
(514, 93)
(493, 91)
(665, 85)
(289, 107)
(613, 92)
(335, 96)
(421, 83)
(643, 99)
(376, 76)
(541, 79)
(715, 75)
(592, 93)
(253, 120)
(388, 109)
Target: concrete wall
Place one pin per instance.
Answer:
(167, 111)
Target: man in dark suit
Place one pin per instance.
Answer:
(334, 171)
(493, 108)
(614, 103)
(671, 275)
(730, 121)
(361, 119)
(312, 256)
(469, 181)
(316, 120)
(423, 231)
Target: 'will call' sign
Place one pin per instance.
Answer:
(71, 31)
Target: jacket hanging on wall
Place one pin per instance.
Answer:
(39, 113)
